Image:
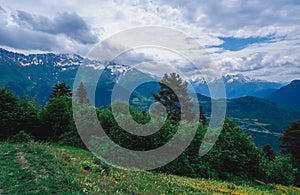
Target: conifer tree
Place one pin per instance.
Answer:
(60, 90)
(202, 116)
(268, 150)
(174, 102)
(290, 141)
(82, 94)
(8, 113)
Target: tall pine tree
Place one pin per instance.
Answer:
(82, 94)
(290, 141)
(174, 102)
(268, 150)
(8, 113)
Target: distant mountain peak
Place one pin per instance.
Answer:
(62, 60)
(41, 59)
(229, 78)
(239, 85)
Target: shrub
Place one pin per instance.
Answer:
(280, 171)
(22, 136)
(71, 138)
(8, 113)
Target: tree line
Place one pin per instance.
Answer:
(234, 156)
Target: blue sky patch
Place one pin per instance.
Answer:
(235, 44)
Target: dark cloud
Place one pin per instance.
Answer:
(19, 38)
(14, 36)
(69, 24)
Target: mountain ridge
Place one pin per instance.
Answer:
(238, 85)
(288, 95)
(37, 81)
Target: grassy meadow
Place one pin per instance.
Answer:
(35, 168)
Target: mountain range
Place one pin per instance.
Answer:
(288, 95)
(239, 85)
(36, 74)
(263, 119)
(42, 71)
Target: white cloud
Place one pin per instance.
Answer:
(276, 61)
(204, 21)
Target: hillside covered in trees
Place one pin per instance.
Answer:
(234, 157)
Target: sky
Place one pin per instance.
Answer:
(260, 39)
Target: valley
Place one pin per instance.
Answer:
(35, 74)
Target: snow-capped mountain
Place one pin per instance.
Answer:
(40, 59)
(35, 74)
(61, 62)
(237, 78)
(238, 85)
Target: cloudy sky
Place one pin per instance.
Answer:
(260, 39)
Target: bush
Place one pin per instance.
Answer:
(281, 171)
(71, 138)
(8, 113)
(22, 136)
(234, 154)
(56, 119)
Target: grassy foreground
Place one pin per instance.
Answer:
(34, 168)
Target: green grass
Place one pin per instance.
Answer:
(34, 168)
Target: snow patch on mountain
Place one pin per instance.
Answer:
(237, 77)
(118, 68)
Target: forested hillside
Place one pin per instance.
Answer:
(234, 157)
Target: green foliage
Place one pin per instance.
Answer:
(278, 116)
(22, 136)
(235, 153)
(71, 138)
(291, 146)
(131, 141)
(173, 95)
(233, 157)
(61, 90)
(281, 171)
(56, 118)
(82, 94)
(59, 170)
(269, 152)
(86, 121)
(17, 115)
(290, 142)
(255, 113)
(33, 168)
(8, 113)
(87, 165)
(28, 116)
